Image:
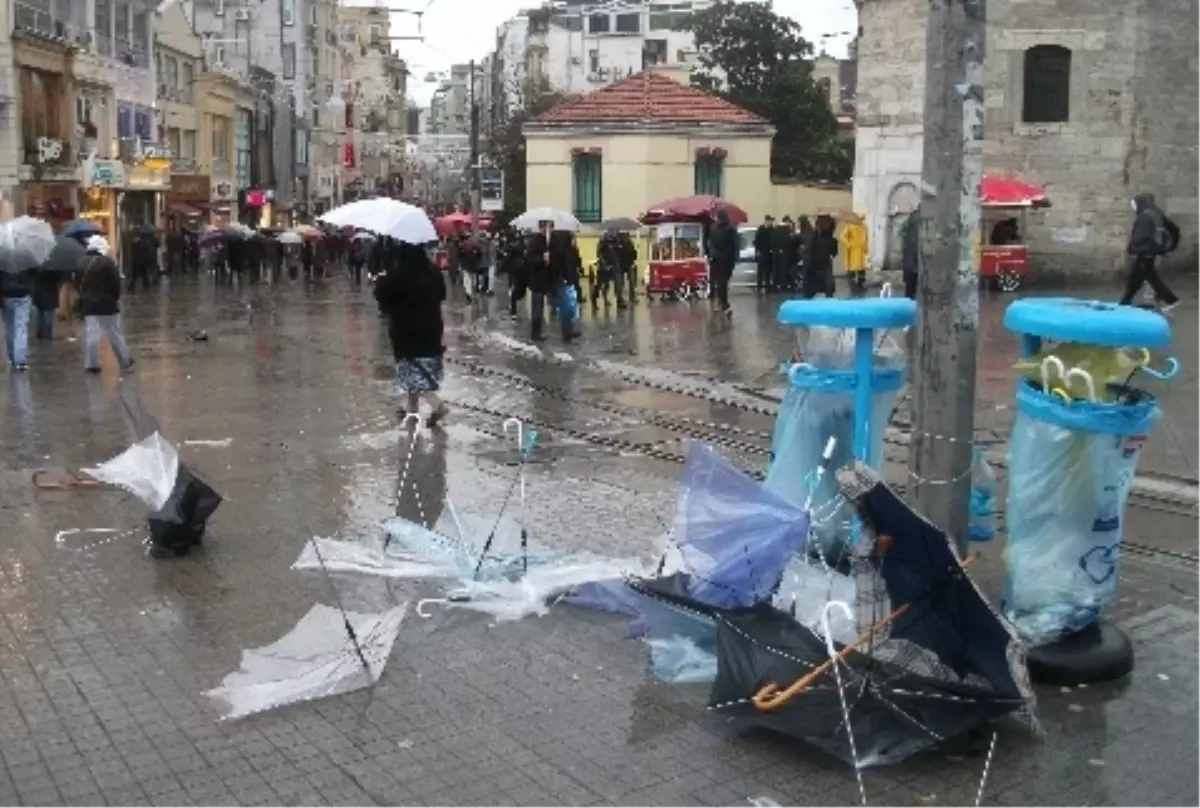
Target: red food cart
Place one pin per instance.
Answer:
(678, 267)
(1003, 257)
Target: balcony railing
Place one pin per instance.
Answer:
(40, 21)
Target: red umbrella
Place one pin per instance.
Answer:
(454, 223)
(1006, 192)
(700, 208)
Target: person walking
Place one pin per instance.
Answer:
(818, 275)
(411, 292)
(629, 259)
(45, 303)
(99, 298)
(1152, 235)
(16, 294)
(609, 270)
(723, 245)
(143, 251)
(565, 266)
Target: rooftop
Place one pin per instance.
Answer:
(650, 97)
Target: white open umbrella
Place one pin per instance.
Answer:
(531, 219)
(25, 243)
(288, 237)
(387, 217)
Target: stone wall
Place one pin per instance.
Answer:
(1132, 124)
(10, 124)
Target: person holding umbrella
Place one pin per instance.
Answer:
(61, 265)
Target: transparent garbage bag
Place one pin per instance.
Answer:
(1071, 468)
(833, 348)
(807, 419)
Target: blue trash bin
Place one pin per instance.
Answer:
(1071, 468)
(845, 388)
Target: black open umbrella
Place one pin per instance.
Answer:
(934, 659)
(622, 223)
(65, 257)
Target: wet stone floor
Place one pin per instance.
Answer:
(288, 410)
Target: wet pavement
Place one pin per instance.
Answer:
(288, 410)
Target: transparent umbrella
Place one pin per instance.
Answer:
(25, 243)
(531, 220)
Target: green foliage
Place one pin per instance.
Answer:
(753, 57)
(506, 147)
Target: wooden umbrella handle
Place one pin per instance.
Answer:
(770, 697)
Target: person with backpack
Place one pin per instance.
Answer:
(1153, 234)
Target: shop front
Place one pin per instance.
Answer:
(102, 181)
(147, 180)
(256, 207)
(188, 200)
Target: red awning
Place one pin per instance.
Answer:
(700, 208)
(182, 209)
(1007, 192)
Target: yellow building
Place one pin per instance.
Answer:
(221, 96)
(620, 150)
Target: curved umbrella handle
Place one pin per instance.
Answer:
(413, 416)
(1162, 375)
(520, 432)
(1088, 381)
(1055, 363)
(423, 602)
(886, 290)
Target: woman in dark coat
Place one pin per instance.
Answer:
(818, 275)
(411, 293)
(565, 264)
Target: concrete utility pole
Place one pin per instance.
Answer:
(943, 383)
(475, 186)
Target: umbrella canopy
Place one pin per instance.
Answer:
(289, 237)
(531, 220)
(1007, 192)
(66, 255)
(25, 243)
(211, 237)
(82, 228)
(329, 652)
(308, 232)
(699, 208)
(386, 217)
(937, 667)
(237, 230)
(454, 223)
(363, 235)
(147, 469)
(621, 223)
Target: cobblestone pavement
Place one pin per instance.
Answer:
(104, 654)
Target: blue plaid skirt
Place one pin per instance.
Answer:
(420, 375)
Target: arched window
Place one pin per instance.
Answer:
(1047, 84)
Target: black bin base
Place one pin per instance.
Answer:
(1099, 653)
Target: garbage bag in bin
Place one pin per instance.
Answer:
(819, 405)
(1071, 468)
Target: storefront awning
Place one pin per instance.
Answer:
(182, 209)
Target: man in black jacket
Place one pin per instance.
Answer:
(763, 252)
(1153, 235)
(723, 245)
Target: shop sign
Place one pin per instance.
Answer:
(148, 178)
(106, 174)
(190, 187)
(49, 150)
(223, 192)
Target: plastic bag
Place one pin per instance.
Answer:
(833, 348)
(983, 499)
(568, 304)
(1071, 467)
(807, 419)
(1107, 367)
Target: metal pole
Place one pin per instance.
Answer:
(475, 194)
(943, 383)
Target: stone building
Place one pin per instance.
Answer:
(1094, 101)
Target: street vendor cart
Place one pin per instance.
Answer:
(677, 269)
(1003, 256)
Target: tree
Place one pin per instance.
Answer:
(506, 146)
(752, 57)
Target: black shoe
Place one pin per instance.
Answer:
(160, 551)
(92, 370)
(21, 367)
(537, 338)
